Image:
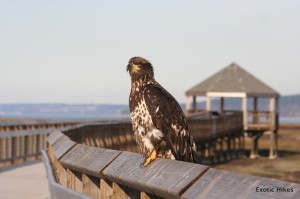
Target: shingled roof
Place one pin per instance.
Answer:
(233, 78)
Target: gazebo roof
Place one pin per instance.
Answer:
(233, 79)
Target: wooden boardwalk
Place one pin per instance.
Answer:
(26, 180)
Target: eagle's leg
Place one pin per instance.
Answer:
(150, 158)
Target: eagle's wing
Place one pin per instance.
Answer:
(167, 116)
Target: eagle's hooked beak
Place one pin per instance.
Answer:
(128, 67)
(132, 68)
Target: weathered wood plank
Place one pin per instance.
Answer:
(89, 160)
(54, 136)
(106, 189)
(222, 184)
(56, 190)
(163, 177)
(62, 145)
(145, 195)
(124, 192)
(91, 186)
(74, 180)
(2, 148)
(59, 171)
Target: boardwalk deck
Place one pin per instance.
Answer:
(26, 180)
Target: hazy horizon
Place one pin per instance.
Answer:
(76, 52)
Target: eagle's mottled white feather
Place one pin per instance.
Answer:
(158, 122)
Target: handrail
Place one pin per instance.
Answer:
(20, 146)
(264, 120)
(105, 173)
(23, 139)
(7, 125)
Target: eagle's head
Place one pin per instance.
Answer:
(140, 69)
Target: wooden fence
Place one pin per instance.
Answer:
(81, 171)
(262, 120)
(23, 140)
(218, 137)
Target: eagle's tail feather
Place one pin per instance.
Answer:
(195, 153)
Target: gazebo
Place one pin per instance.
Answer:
(235, 82)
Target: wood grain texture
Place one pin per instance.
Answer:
(145, 195)
(54, 136)
(124, 192)
(106, 189)
(74, 180)
(88, 160)
(62, 145)
(59, 171)
(91, 186)
(58, 191)
(165, 178)
(222, 184)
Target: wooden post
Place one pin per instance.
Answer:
(222, 105)
(253, 148)
(74, 180)
(121, 191)
(273, 150)
(273, 130)
(145, 195)
(90, 186)
(13, 149)
(208, 103)
(8, 149)
(194, 104)
(188, 104)
(245, 113)
(241, 145)
(2, 148)
(273, 110)
(255, 104)
(229, 157)
(23, 147)
(106, 188)
(255, 117)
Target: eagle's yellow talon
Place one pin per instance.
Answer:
(151, 158)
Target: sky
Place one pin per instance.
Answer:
(77, 51)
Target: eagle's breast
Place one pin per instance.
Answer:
(146, 134)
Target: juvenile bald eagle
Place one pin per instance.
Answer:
(158, 123)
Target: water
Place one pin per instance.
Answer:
(80, 111)
(290, 120)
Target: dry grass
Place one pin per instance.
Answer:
(285, 167)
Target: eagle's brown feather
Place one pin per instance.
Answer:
(167, 116)
(157, 119)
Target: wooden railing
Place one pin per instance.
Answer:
(207, 126)
(7, 125)
(23, 140)
(81, 171)
(218, 137)
(262, 120)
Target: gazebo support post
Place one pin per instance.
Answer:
(222, 105)
(188, 104)
(194, 104)
(208, 103)
(273, 132)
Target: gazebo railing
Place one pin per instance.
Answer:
(263, 120)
